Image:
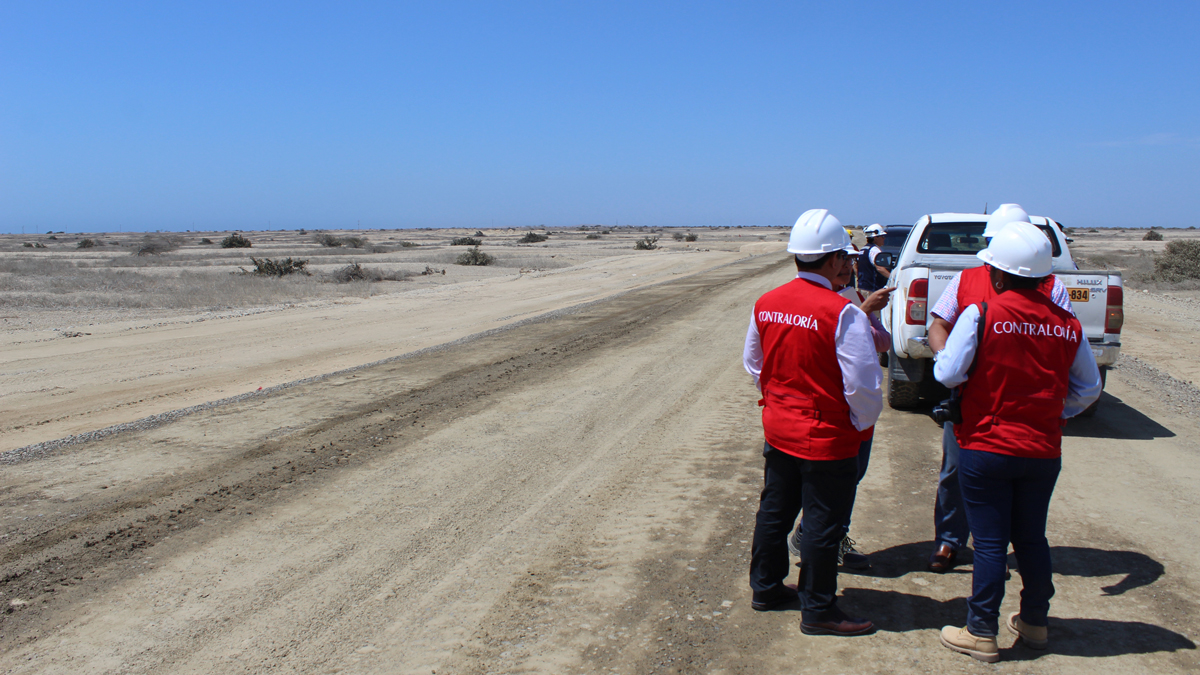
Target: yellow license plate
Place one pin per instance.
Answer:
(1079, 294)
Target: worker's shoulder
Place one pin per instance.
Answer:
(800, 291)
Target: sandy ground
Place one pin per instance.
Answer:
(574, 492)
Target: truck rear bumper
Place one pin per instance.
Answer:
(1106, 353)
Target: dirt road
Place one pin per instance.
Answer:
(574, 494)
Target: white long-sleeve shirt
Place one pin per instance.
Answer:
(862, 378)
(950, 365)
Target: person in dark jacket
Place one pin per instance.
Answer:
(872, 277)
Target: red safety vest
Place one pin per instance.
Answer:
(805, 413)
(975, 286)
(1013, 402)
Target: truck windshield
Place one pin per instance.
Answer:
(952, 239)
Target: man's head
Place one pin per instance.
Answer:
(820, 244)
(1019, 256)
(833, 266)
(874, 234)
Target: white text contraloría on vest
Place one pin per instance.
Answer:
(789, 319)
(1036, 330)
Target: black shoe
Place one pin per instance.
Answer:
(782, 595)
(849, 557)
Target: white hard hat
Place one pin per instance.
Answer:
(1021, 249)
(875, 230)
(1003, 215)
(817, 233)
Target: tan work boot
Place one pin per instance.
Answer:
(1034, 637)
(961, 640)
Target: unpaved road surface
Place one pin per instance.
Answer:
(571, 494)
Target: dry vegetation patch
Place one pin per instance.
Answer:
(203, 270)
(1175, 266)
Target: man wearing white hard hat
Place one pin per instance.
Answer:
(812, 356)
(872, 277)
(1023, 365)
(968, 287)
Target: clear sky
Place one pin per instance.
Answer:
(210, 115)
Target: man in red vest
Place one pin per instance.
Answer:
(811, 353)
(967, 287)
(1024, 366)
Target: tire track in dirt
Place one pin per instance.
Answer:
(94, 545)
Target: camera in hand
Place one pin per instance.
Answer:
(949, 410)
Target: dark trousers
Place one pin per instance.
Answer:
(949, 518)
(1006, 500)
(825, 490)
(864, 460)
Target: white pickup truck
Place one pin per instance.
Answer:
(943, 244)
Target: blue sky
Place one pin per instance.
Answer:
(175, 116)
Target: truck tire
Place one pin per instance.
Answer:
(903, 395)
(1090, 411)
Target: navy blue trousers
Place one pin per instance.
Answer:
(1006, 500)
(949, 519)
(825, 490)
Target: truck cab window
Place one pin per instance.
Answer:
(952, 239)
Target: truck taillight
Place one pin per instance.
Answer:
(1115, 317)
(918, 291)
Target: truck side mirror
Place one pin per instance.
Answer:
(886, 260)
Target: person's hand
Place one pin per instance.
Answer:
(877, 300)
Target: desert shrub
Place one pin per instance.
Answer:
(605, 231)
(326, 239)
(429, 270)
(690, 236)
(1152, 236)
(355, 242)
(52, 237)
(409, 244)
(532, 238)
(465, 241)
(86, 243)
(592, 235)
(356, 272)
(474, 257)
(479, 233)
(34, 244)
(206, 240)
(1179, 261)
(646, 244)
(277, 268)
(235, 240)
(678, 236)
(303, 231)
(156, 244)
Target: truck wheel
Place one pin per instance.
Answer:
(1090, 411)
(903, 395)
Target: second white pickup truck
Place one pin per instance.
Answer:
(941, 245)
